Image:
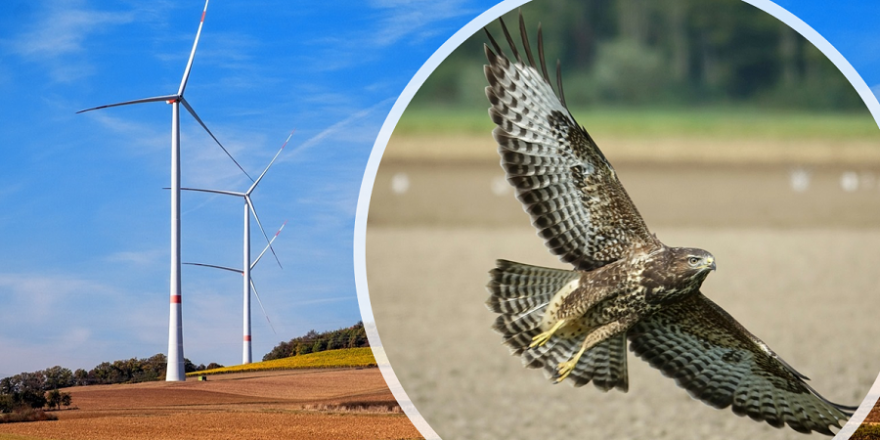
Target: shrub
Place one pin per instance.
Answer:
(26, 415)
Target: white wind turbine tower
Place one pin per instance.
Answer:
(175, 369)
(247, 265)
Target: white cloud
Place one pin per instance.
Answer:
(72, 321)
(343, 129)
(37, 308)
(45, 289)
(393, 23)
(411, 18)
(57, 38)
(64, 31)
(205, 163)
(137, 137)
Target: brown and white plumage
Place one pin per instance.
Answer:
(626, 284)
(562, 178)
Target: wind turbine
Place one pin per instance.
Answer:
(248, 281)
(175, 369)
(247, 265)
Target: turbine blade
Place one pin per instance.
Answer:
(260, 302)
(254, 212)
(192, 53)
(213, 191)
(238, 271)
(267, 246)
(199, 120)
(256, 182)
(136, 101)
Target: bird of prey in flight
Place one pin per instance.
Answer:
(625, 285)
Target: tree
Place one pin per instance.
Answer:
(670, 51)
(53, 399)
(6, 386)
(58, 377)
(29, 398)
(33, 382)
(312, 342)
(303, 349)
(188, 366)
(318, 346)
(6, 403)
(66, 400)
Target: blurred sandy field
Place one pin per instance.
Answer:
(797, 265)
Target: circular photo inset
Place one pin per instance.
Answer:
(683, 226)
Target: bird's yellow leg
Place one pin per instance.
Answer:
(565, 368)
(594, 337)
(542, 338)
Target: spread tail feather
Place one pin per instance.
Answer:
(520, 294)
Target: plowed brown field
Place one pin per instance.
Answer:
(302, 404)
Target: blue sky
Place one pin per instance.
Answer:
(84, 229)
(850, 26)
(84, 233)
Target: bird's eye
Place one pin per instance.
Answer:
(693, 261)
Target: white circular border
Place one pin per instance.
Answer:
(474, 26)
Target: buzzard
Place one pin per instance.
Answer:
(626, 284)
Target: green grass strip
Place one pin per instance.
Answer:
(733, 122)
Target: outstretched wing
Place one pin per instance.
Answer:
(719, 362)
(562, 178)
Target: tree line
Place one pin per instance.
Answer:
(313, 342)
(53, 399)
(132, 370)
(35, 390)
(664, 52)
(39, 389)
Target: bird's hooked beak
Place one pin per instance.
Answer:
(710, 263)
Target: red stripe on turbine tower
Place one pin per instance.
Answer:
(175, 299)
(247, 338)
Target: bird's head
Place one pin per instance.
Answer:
(693, 264)
(676, 271)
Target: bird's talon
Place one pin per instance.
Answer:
(541, 339)
(564, 369)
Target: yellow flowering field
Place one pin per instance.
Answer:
(347, 357)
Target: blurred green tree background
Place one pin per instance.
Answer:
(663, 53)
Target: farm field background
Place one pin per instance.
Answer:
(336, 403)
(791, 211)
(729, 135)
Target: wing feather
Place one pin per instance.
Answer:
(720, 363)
(561, 177)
